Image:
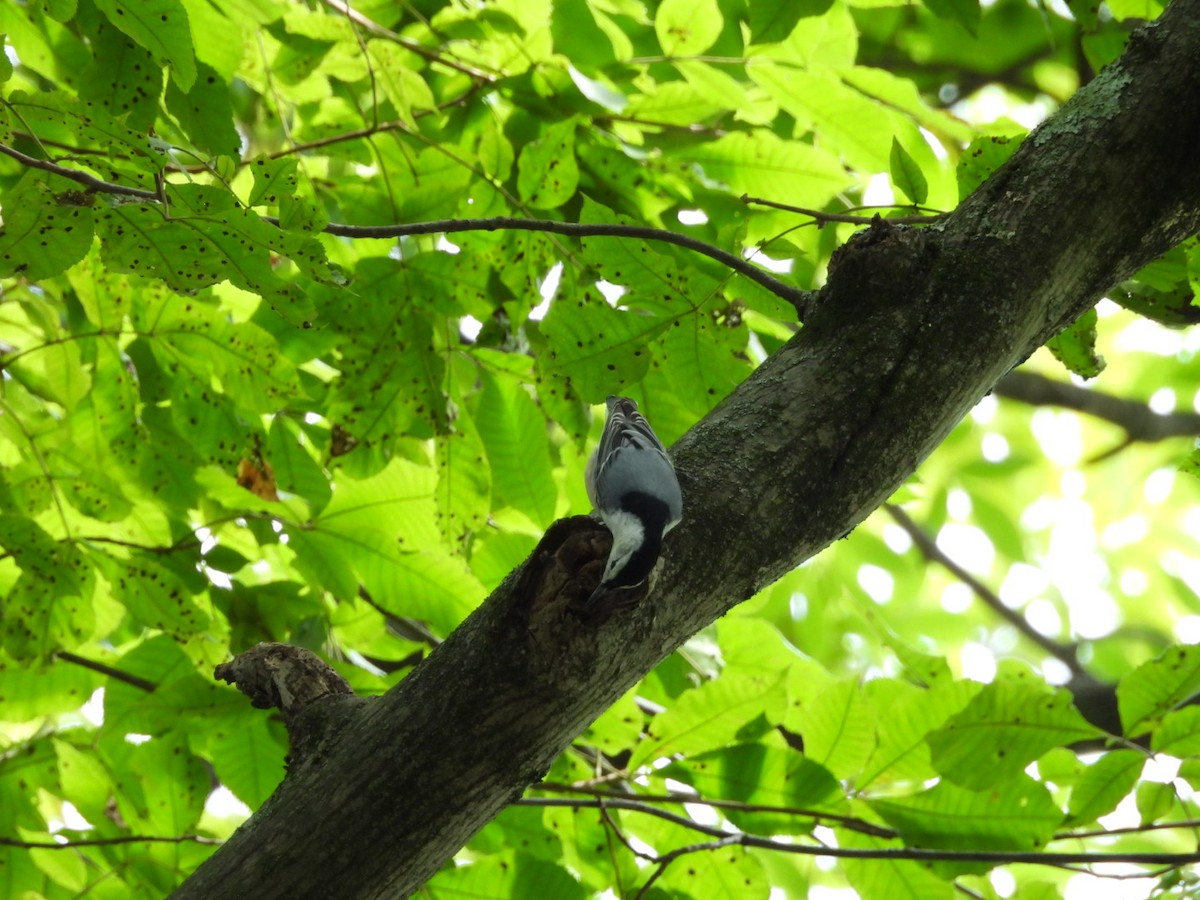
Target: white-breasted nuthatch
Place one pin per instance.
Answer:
(631, 482)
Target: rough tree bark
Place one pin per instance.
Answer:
(913, 327)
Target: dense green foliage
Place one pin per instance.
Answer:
(225, 420)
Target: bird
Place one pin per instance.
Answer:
(632, 485)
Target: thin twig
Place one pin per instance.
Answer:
(917, 854)
(667, 858)
(1130, 829)
(160, 549)
(847, 218)
(91, 182)
(407, 43)
(930, 550)
(115, 674)
(848, 822)
(107, 842)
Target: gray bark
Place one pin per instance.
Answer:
(912, 329)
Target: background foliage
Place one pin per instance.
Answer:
(225, 420)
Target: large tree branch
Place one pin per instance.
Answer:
(1139, 421)
(913, 327)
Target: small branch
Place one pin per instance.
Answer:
(108, 842)
(848, 822)
(930, 550)
(1139, 422)
(800, 299)
(160, 549)
(667, 858)
(917, 854)
(824, 218)
(89, 181)
(1130, 829)
(407, 43)
(696, 128)
(115, 674)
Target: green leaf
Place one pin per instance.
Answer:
(43, 233)
(513, 432)
(1155, 801)
(618, 727)
(1085, 12)
(205, 112)
(580, 36)
(687, 27)
(290, 455)
(404, 87)
(855, 126)
(1156, 687)
(219, 34)
(129, 157)
(84, 779)
(547, 171)
(889, 879)
(1075, 346)
(1104, 784)
(772, 21)
(1104, 47)
(708, 355)
(838, 727)
(907, 175)
(123, 78)
(49, 607)
(153, 595)
(194, 252)
(601, 347)
(321, 559)
(33, 691)
(507, 874)
(1135, 9)
(6, 66)
(428, 585)
(464, 489)
(983, 156)
(585, 848)
(965, 12)
(167, 785)
(1174, 306)
(392, 373)
(763, 165)
(398, 502)
(274, 179)
(1014, 815)
(196, 344)
(761, 775)
(246, 756)
(906, 715)
(1179, 733)
(66, 870)
(1004, 728)
(712, 716)
(161, 26)
(732, 873)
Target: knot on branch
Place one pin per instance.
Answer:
(310, 694)
(282, 676)
(881, 269)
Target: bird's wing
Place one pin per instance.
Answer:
(626, 428)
